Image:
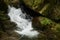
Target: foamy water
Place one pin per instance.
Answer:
(24, 25)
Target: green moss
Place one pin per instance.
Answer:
(58, 27)
(46, 21)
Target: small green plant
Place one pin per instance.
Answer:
(46, 21)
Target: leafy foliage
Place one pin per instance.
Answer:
(46, 21)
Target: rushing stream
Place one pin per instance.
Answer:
(24, 25)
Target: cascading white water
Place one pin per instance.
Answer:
(25, 26)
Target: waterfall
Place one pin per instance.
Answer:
(24, 25)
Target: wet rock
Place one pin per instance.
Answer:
(3, 6)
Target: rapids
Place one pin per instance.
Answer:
(24, 25)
